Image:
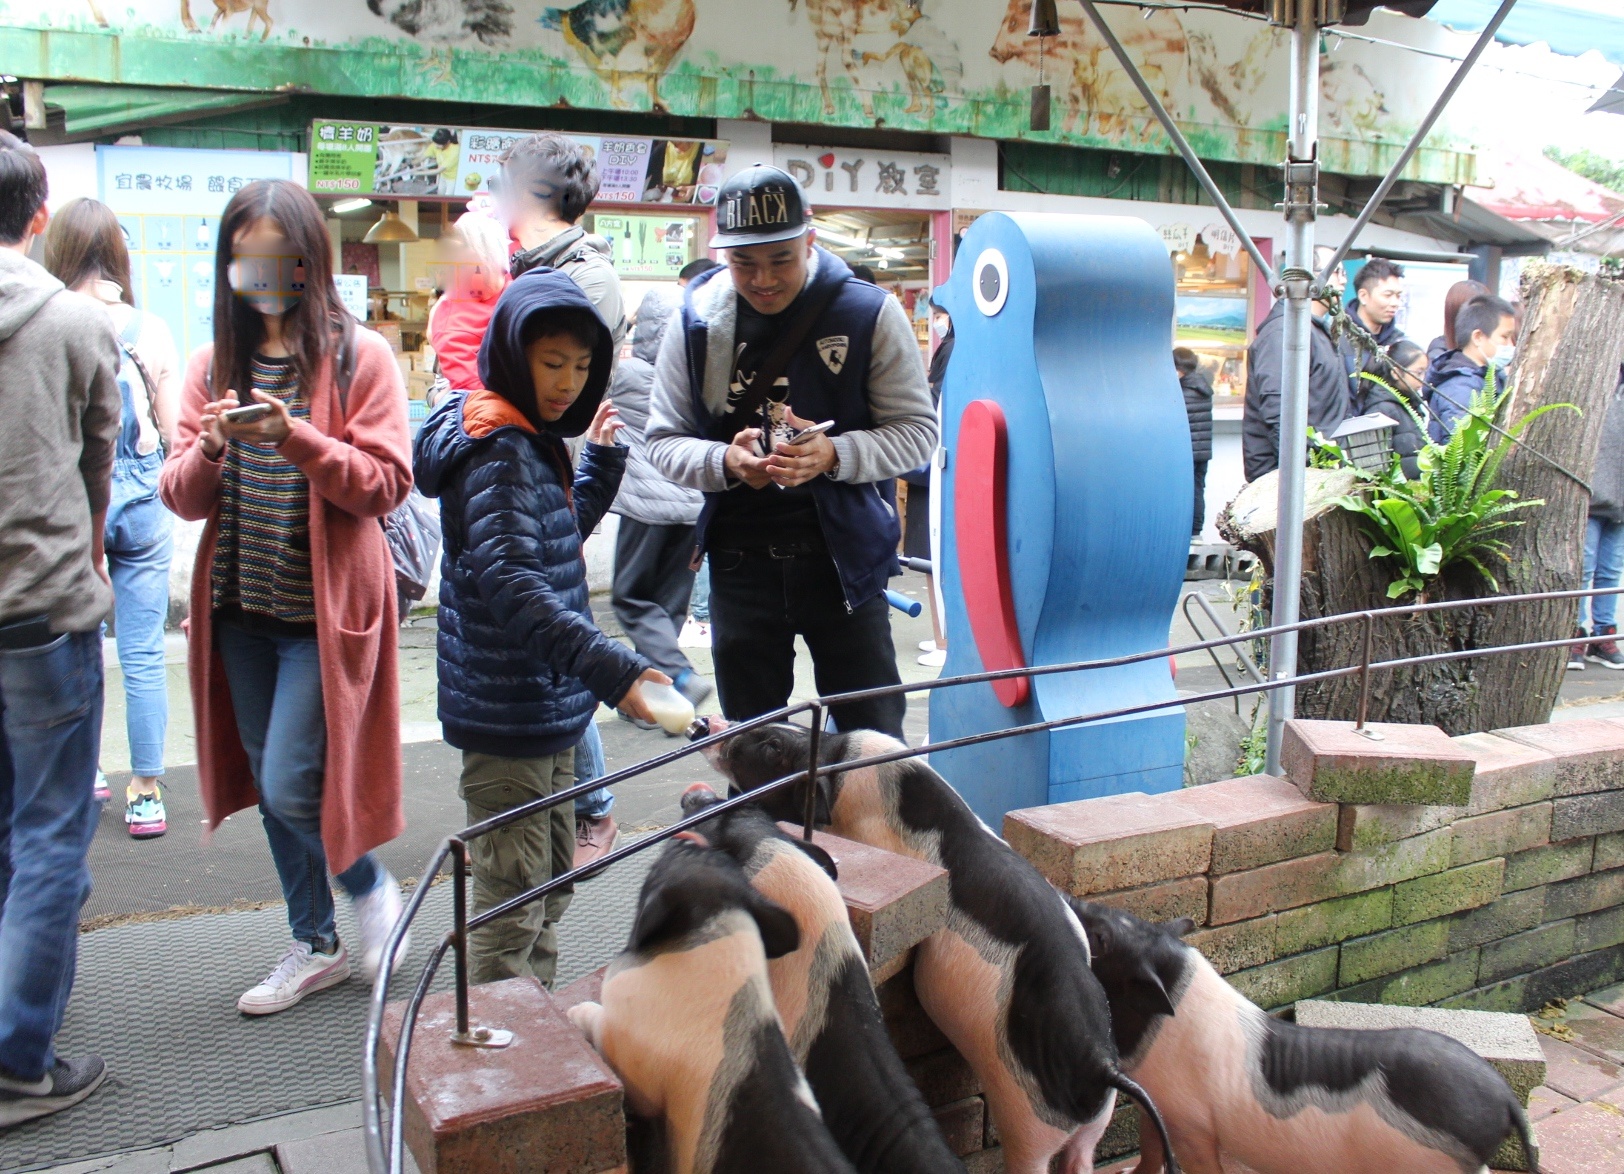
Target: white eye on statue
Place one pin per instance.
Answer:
(990, 281)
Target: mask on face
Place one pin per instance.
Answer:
(270, 284)
(1502, 357)
(940, 327)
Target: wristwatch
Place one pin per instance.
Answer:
(833, 471)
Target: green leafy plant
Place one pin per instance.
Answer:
(1453, 512)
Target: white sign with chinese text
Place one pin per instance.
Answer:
(843, 177)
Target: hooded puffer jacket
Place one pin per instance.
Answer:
(1451, 380)
(646, 494)
(1198, 406)
(522, 666)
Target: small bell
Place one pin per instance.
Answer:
(1045, 20)
(1045, 23)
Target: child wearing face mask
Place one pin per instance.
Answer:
(291, 650)
(1486, 330)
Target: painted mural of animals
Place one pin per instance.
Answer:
(611, 35)
(837, 24)
(256, 9)
(929, 61)
(447, 21)
(1232, 88)
(185, 15)
(1100, 99)
(1352, 102)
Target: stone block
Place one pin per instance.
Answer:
(1364, 825)
(1279, 983)
(1420, 985)
(943, 1076)
(1238, 945)
(963, 1124)
(1162, 901)
(1406, 764)
(1587, 815)
(1526, 952)
(1584, 894)
(1501, 833)
(1506, 1041)
(1589, 752)
(1388, 864)
(1609, 852)
(1117, 842)
(1237, 896)
(586, 989)
(1327, 922)
(547, 1101)
(894, 902)
(911, 1030)
(1497, 996)
(1121, 1136)
(1546, 865)
(1259, 820)
(1597, 931)
(1512, 913)
(1392, 950)
(1442, 893)
(1509, 774)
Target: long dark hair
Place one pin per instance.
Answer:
(313, 327)
(84, 242)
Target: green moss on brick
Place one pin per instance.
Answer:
(1528, 951)
(1365, 825)
(1313, 926)
(1238, 946)
(1596, 931)
(1419, 985)
(1510, 995)
(1389, 864)
(1391, 951)
(1290, 979)
(1512, 913)
(1416, 782)
(1585, 894)
(1609, 852)
(1447, 892)
(1541, 866)
(1500, 833)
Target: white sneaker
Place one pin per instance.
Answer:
(927, 646)
(302, 971)
(376, 914)
(934, 660)
(694, 634)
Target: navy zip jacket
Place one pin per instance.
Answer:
(522, 665)
(1451, 381)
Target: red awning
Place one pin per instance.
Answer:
(1532, 187)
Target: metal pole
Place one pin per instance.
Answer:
(1421, 133)
(1296, 275)
(814, 746)
(459, 929)
(1179, 141)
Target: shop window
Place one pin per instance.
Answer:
(1214, 311)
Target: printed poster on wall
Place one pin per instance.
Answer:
(169, 201)
(648, 246)
(457, 162)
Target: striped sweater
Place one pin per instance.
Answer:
(262, 558)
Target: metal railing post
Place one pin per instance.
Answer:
(1364, 682)
(813, 747)
(466, 1034)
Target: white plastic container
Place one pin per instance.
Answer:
(671, 709)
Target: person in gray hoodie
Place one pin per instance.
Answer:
(59, 422)
(654, 548)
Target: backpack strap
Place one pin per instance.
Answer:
(126, 343)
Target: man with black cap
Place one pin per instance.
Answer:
(792, 395)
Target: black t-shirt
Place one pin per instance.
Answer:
(745, 518)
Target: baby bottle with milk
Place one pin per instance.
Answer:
(671, 709)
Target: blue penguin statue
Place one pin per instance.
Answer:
(1066, 485)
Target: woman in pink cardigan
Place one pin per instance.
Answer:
(292, 642)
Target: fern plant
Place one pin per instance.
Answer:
(1453, 512)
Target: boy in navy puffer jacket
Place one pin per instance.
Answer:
(522, 666)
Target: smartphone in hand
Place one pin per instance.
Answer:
(807, 433)
(246, 414)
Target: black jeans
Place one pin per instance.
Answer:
(759, 604)
(651, 589)
(1200, 498)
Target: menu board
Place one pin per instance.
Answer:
(457, 162)
(648, 246)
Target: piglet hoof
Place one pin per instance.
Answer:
(588, 1017)
(698, 796)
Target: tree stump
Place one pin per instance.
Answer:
(1569, 351)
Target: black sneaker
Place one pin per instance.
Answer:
(1576, 652)
(64, 1086)
(1605, 652)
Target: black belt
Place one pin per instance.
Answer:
(27, 632)
(792, 548)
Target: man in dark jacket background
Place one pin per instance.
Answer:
(522, 667)
(654, 547)
(1328, 389)
(1378, 294)
(1198, 406)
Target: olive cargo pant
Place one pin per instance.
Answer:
(515, 858)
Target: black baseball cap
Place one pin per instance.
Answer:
(758, 206)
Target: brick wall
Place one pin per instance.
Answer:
(1501, 902)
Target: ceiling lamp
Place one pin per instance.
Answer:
(390, 230)
(353, 204)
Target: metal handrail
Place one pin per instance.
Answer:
(387, 1160)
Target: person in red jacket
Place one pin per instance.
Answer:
(476, 272)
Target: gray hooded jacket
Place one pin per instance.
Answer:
(59, 418)
(646, 494)
(1607, 482)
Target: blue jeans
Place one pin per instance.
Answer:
(699, 601)
(139, 547)
(50, 732)
(1604, 567)
(589, 765)
(275, 686)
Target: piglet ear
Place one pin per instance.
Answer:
(1180, 926)
(1147, 995)
(823, 859)
(664, 917)
(779, 933)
